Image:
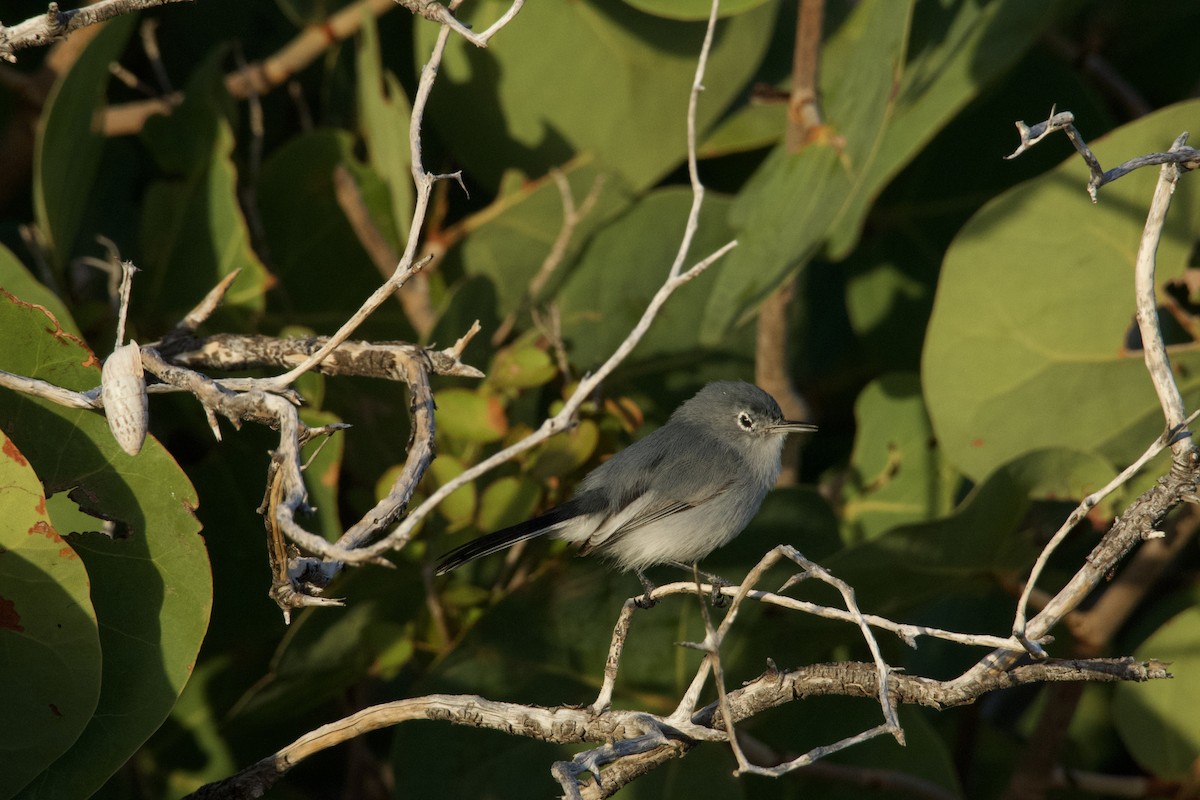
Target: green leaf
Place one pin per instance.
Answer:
(150, 585)
(459, 506)
(507, 501)
(68, 147)
(510, 240)
(892, 75)
(693, 9)
(618, 90)
(1157, 720)
(193, 229)
(523, 365)
(323, 655)
(470, 416)
(50, 672)
(898, 476)
(954, 52)
(785, 212)
(196, 730)
(1026, 348)
(626, 263)
(890, 283)
(563, 454)
(752, 127)
(308, 234)
(911, 565)
(384, 115)
(17, 281)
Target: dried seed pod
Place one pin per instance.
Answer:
(123, 389)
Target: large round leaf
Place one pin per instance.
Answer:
(50, 672)
(591, 76)
(150, 582)
(1026, 348)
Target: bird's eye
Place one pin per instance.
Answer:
(745, 422)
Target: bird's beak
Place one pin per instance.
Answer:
(791, 426)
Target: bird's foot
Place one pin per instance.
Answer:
(647, 600)
(718, 598)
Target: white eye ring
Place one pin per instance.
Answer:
(744, 421)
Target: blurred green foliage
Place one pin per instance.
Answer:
(960, 327)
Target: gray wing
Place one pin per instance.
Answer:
(674, 469)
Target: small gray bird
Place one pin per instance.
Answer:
(673, 497)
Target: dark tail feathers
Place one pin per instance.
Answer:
(503, 538)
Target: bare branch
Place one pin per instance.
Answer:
(56, 24)
(1154, 349)
(566, 724)
(387, 360)
(1073, 519)
(572, 216)
(436, 12)
(1186, 158)
(1140, 520)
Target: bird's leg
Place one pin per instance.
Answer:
(718, 599)
(645, 601)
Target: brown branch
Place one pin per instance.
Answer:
(773, 374)
(1093, 629)
(804, 112)
(1097, 68)
(1033, 773)
(263, 76)
(413, 295)
(260, 77)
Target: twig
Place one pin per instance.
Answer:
(259, 406)
(49, 391)
(1186, 157)
(891, 723)
(249, 187)
(1093, 629)
(424, 182)
(1102, 72)
(907, 633)
(420, 455)
(56, 24)
(148, 31)
(1154, 349)
(387, 360)
(436, 12)
(572, 216)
